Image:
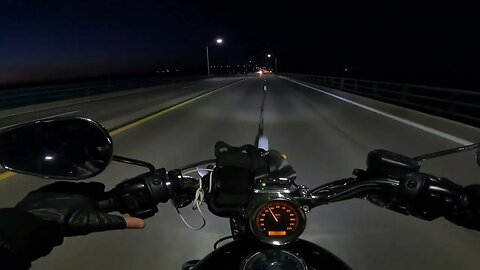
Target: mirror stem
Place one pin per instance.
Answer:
(475, 146)
(135, 162)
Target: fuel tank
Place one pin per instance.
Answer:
(249, 254)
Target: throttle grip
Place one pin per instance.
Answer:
(108, 205)
(138, 196)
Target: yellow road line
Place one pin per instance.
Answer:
(6, 175)
(162, 112)
(153, 116)
(119, 130)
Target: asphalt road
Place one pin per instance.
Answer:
(325, 139)
(114, 109)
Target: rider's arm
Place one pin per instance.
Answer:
(39, 222)
(25, 238)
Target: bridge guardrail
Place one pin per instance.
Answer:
(456, 104)
(13, 98)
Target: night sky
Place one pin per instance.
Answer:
(434, 43)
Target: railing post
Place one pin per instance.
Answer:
(30, 99)
(452, 107)
(404, 94)
(374, 89)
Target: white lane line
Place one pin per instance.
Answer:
(437, 132)
(51, 116)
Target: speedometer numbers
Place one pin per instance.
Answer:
(278, 222)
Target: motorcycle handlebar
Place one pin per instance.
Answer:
(416, 194)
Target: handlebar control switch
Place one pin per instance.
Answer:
(428, 197)
(412, 185)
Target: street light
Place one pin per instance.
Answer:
(218, 41)
(270, 56)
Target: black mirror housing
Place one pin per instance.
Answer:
(64, 148)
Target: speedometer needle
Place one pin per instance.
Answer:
(276, 219)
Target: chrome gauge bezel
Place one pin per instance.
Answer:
(246, 263)
(278, 241)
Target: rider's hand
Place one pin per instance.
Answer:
(74, 207)
(40, 221)
(468, 217)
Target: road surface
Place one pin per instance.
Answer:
(324, 138)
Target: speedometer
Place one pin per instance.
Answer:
(278, 222)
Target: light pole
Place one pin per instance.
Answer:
(275, 58)
(218, 41)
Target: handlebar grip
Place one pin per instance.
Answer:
(421, 195)
(137, 196)
(108, 205)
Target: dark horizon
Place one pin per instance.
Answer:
(54, 41)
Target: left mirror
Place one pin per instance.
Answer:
(65, 148)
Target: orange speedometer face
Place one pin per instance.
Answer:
(278, 222)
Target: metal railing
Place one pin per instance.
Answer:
(19, 97)
(457, 104)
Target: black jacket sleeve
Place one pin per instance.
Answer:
(25, 238)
